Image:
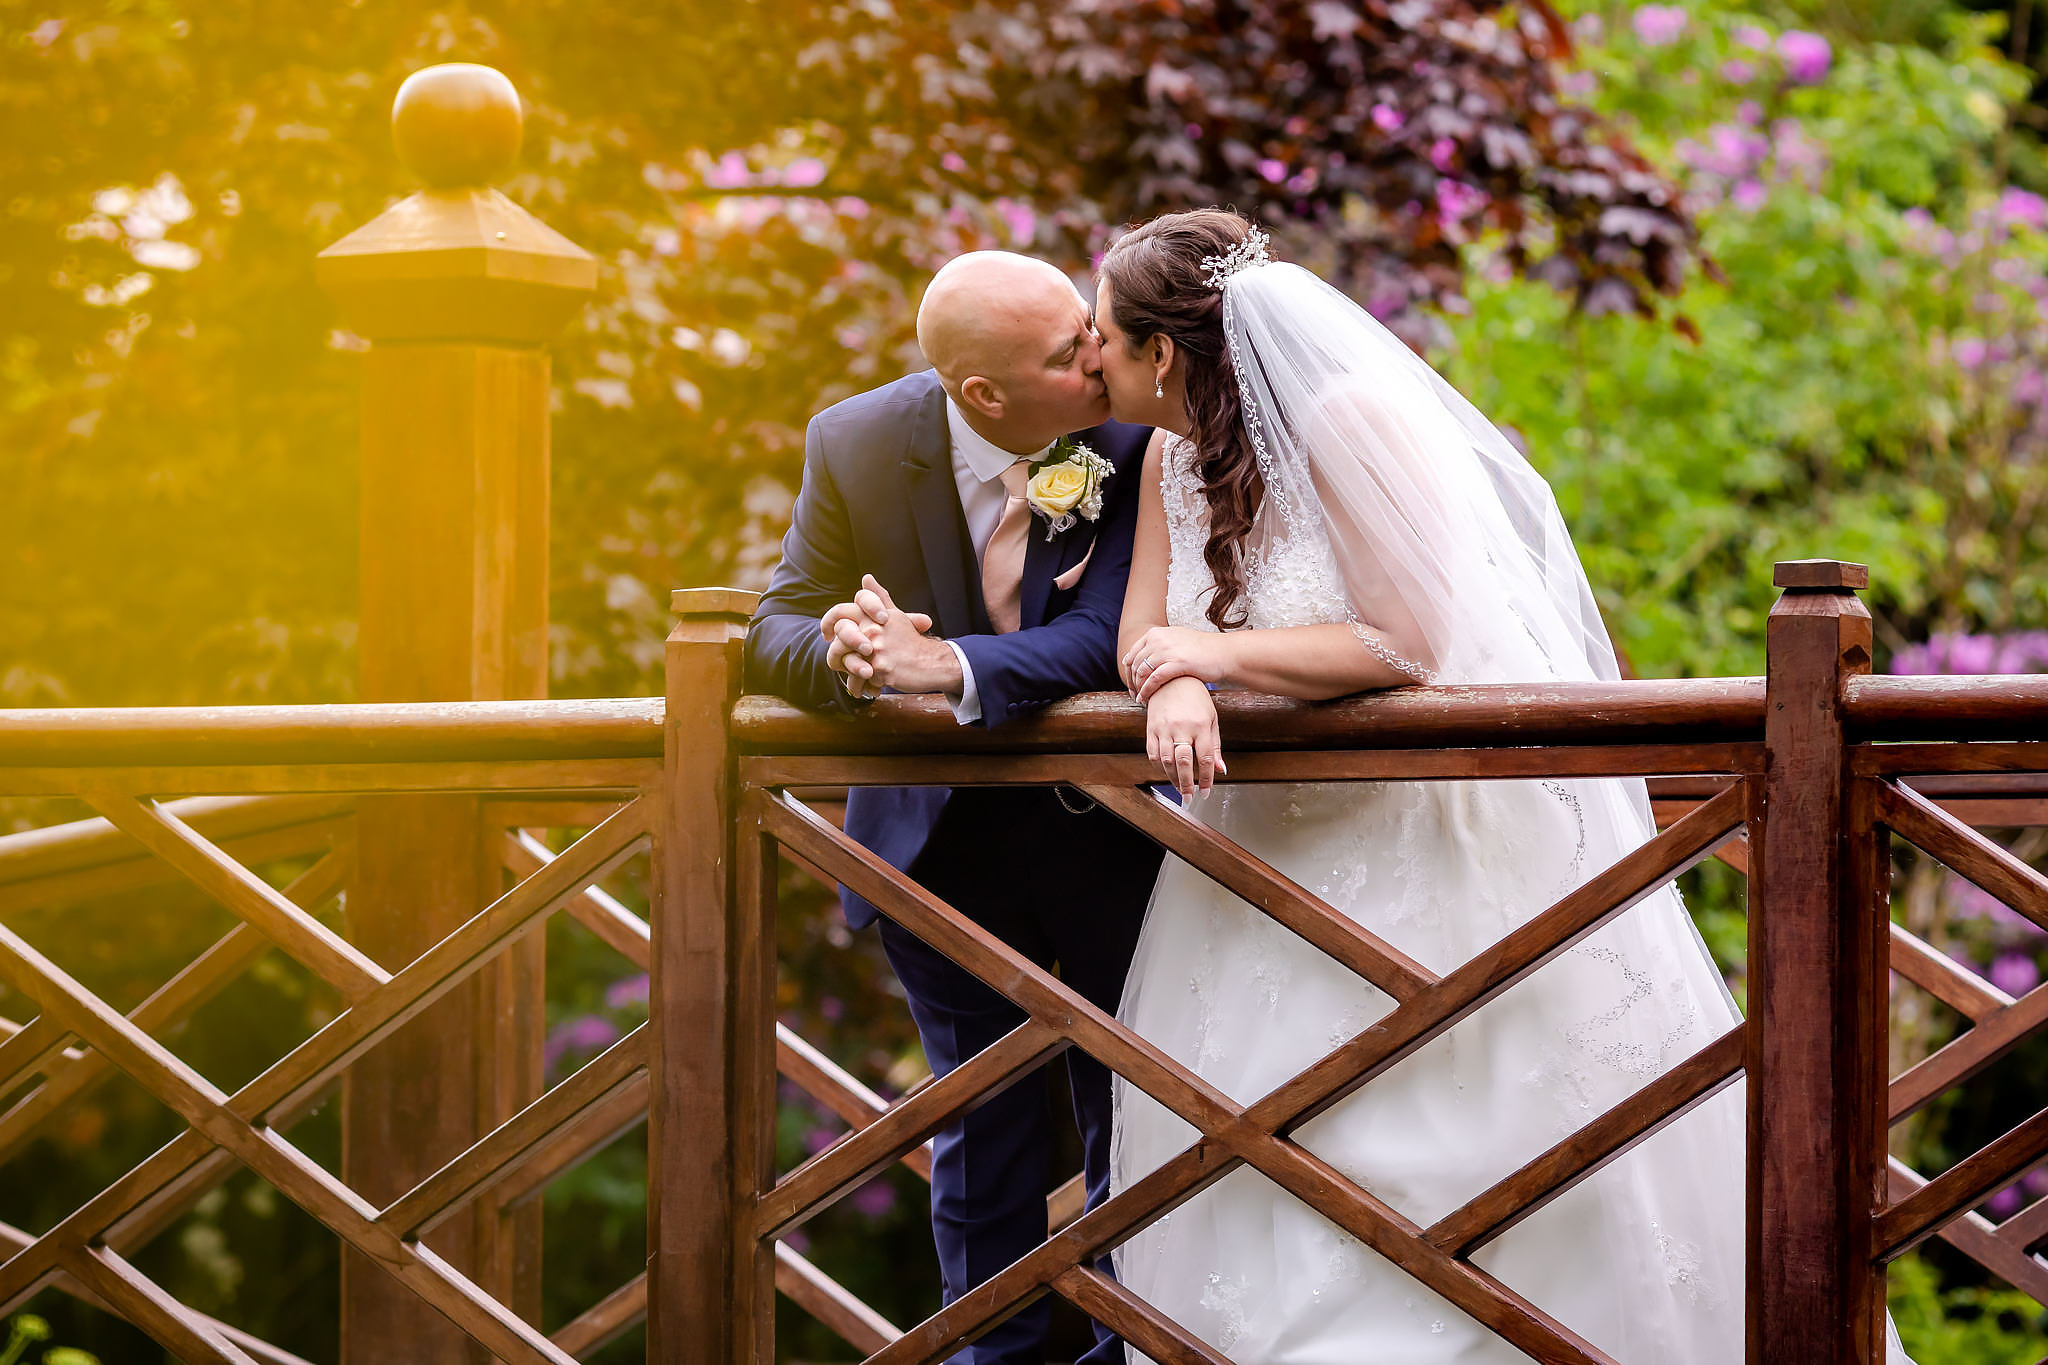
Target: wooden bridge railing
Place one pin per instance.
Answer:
(1801, 778)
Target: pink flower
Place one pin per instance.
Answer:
(2019, 208)
(1457, 201)
(1578, 84)
(1749, 195)
(848, 206)
(1738, 72)
(1021, 218)
(1387, 118)
(1806, 55)
(2015, 973)
(729, 172)
(1968, 354)
(875, 1199)
(954, 162)
(1753, 38)
(1272, 171)
(1750, 112)
(804, 172)
(2005, 1203)
(1440, 153)
(630, 991)
(1658, 25)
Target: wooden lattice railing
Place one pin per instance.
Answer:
(1802, 779)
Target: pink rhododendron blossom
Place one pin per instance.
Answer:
(804, 172)
(1807, 56)
(954, 162)
(1578, 84)
(1440, 153)
(1738, 72)
(1658, 25)
(1753, 38)
(2015, 973)
(1387, 118)
(1750, 112)
(2005, 1203)
(1272, 171)
(1749, 195)
(729, 172)
(1302, 183)
(1020, 218)
(2021, 208)
(1456, 201)
(630, 991)
(1969, 353)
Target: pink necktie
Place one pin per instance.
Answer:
(1002, 561)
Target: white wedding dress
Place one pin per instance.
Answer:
(1645, 1258)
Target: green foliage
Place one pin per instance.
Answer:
(1963, 1326)
(25, 1330)
(1865, 384)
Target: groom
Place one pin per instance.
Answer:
(918, 560)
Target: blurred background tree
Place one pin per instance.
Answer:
(766, 185)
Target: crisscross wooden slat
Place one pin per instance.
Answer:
(505, 1147)
(1411, 1025)
(330, 957)
(1664, 1101)
(825, 1299)
(1963, 850)
(264, 1152)
(277, 1095)
(189, 1336)
(1254, 881)
(1905, 1224)
(13, 1239)
(1935, 972)
(594, 909)
(169, 1005)
(1994, 1035)
(606, 1320)
(2002, 1250)
(1241, 1134)
(865, 1153)
(1133, 1319)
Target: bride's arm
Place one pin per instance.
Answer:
(1145, 591)
(1313, 663)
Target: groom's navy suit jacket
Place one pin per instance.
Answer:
(878, 497)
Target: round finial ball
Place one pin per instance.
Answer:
(457, 125)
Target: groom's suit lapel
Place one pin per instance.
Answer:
(1045, 559)
(941, 525)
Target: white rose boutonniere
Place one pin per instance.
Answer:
(1066, 485)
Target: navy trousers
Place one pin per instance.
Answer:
(1069, 892)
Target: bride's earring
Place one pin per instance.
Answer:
(1159, 388)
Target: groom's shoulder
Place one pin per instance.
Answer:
(900, 400)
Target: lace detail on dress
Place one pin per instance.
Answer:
(1294, 582)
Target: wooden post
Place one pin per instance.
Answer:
(457, 288)
(1816, 996)
(705, 1128)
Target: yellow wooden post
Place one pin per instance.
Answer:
(457, 289)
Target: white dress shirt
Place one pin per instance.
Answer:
(978, 465)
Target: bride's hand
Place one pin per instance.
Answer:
(1164, 653)
(1181, 734)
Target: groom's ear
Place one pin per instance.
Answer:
(980, 394)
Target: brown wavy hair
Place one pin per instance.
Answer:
(1156, 280)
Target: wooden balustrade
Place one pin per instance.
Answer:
(1802, 779)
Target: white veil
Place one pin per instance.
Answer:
(1452, 556)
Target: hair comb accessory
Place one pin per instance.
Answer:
(1217, 270)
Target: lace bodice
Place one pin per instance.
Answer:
(1298, 587)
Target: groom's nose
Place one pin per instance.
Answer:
(1091, 355)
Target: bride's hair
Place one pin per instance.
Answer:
(1155, 275)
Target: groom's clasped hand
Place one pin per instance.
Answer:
(872, 644)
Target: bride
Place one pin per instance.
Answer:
(1329, 516)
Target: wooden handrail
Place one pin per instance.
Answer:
(1662, 711)
(1993, 706)
(365, 732)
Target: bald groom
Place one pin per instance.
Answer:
(914, 563)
